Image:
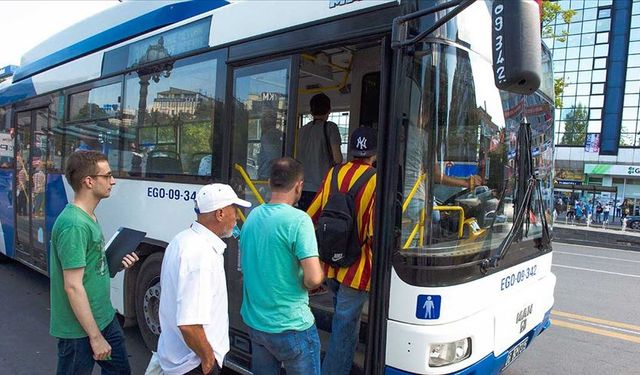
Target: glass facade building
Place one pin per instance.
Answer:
(597, 126)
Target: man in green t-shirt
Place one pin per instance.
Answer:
(280, 264)
(82, 317)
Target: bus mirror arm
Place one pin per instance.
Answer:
(400, 26)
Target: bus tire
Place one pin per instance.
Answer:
(148, 300)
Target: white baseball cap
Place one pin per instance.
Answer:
(216, 196)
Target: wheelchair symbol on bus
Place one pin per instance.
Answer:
(428, 307)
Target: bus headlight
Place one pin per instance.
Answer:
(449, 353)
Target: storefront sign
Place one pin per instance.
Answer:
(612, 169)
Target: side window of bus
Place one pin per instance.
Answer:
(171, 119)
(260, 98)
(6, 140)
(91, 121)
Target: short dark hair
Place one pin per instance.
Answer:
(320, 104)
(285, 172)
(82, 164)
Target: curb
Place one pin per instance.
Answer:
(614, 239)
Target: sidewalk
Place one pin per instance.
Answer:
(612, 236)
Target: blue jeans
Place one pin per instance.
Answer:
(345, 328)
(75, 356)
(297, 351)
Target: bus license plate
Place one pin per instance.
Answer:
(516, 351)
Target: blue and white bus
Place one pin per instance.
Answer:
(178, 94)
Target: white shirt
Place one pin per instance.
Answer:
(194, 291)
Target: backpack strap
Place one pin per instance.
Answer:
(355, 188)
(362, 180)
(334, 179)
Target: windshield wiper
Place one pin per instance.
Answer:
(526, 185)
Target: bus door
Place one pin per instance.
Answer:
(31, 142)
(259, 106)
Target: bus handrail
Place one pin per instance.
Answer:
(249, 183)
(420, 224)
(413, 192)
(454, 208)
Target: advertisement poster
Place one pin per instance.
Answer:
(592, 142)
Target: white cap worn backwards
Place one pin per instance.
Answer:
(216, 196)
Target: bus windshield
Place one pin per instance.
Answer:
(459, 172)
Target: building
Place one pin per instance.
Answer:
(597, 129)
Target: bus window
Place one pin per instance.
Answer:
(91, 123)
(260, 98)
(6, 140)
(170, 120)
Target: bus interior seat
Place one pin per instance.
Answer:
(195, 162)
(163, 162)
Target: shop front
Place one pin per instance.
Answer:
(625, 177)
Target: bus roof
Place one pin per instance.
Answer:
(76, 54)
(108, 28)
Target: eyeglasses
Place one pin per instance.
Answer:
(107, 176)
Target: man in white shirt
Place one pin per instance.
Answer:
(193, 308)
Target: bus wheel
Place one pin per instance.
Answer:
(148, 300)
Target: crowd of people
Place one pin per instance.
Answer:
(280, 265)
(597, 211)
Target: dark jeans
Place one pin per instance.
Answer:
(75, 356)
(198, 371)
(297, 351)
(305, 200)
(345, 328)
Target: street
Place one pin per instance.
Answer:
(595, 322)
(26, 347)
(595, 330)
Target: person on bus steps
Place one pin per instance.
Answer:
(318, 147)
(193, 308)
(280, 264)
(82, 316)
(350, 285)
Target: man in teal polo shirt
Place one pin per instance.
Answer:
(280, 263)
(82, 317)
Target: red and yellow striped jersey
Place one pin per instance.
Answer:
(358, 275)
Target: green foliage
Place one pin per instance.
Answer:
(551, 10)
(575, 128)
(558, 87)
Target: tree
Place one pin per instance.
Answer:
(558, 88)
(550, 12)
(575, 127)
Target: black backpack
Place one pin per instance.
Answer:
(337, 229)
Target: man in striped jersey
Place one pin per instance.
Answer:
(350, 285)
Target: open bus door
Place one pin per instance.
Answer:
(30, 182)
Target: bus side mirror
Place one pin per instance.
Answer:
(517, 61)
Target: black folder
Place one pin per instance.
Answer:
(123, 242)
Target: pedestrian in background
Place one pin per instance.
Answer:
(193, 308)
(82, 316)
(280, 265)
(607, 211)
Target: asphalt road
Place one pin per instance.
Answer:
(595, 321)
(595, 330)
(26, 348)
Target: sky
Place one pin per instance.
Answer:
(24, 24)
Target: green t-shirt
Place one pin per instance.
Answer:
(274, 239)
(77, 241)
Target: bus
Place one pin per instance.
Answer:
(183, 93)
